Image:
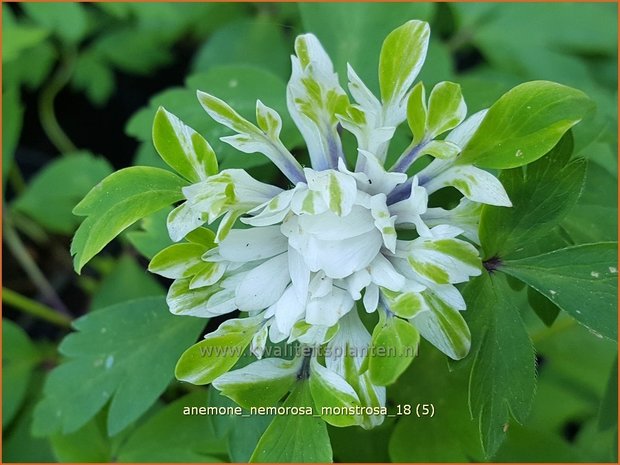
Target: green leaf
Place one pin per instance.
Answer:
(257, 42)
(353, 32)
(218, 352)
(132, 50)
(541, 194)
(152, 235)
(259, 384)
(51, 195)
(503, 374)
(595, 216)
(394, 344)
(193, 438)
(18, 38)
(608, 412)
(88, 444)
(525, 445)
(117, 202)
(19, 357)
(182, 148)
(245, 433)
(402, 56)
(429, 380)
(295, 438)
(126, 281)
(581, 280)
(524, 124)
(112, 356)
(93, 76)
(67, 20)
(13, 112)
(546, 310)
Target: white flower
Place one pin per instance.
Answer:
(303, 257)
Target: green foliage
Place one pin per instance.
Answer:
(50, 205)
(503, 373)
(111, 358)
(524, 124)
(581, 280)
(429, 380)
(110, 397)
(193, 438)
(295, 438)
(18, 360)
(541, 194)
(152, 234)
(68, 20)
(125, 281)
(258, 42)
(116, 203)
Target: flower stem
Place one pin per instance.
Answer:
(17, 248)
(34, 308)
(47, 114)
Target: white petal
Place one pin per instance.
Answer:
(300, 274)
(183, 220)
(356, 282)
(320, 285)
(371, 298)
(383, 274)
(475, 184)
(331, 227)
(288, 310)
(465, 131)
(327, 310)
(243, 245)
(337, 189)
(264, 285)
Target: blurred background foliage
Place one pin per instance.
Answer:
(80, 86)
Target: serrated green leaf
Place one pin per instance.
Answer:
(394, 344)
(541, 195)
(524, 124)
(117, 202)
(182, 148)
(51, 195)
(193, 440)
(19, 357)
(260, 384)
(503, 375)
(582, 280)
(112, 357)
(217, 352)
(295, 438)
